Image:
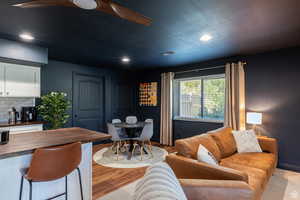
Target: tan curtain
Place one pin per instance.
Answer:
(166, 132)
(235, 96)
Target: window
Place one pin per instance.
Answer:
(201, 98)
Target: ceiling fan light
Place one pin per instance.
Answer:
(86, 4)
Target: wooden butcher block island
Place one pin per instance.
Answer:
(27, 142)
(16, 155)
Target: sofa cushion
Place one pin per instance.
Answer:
(225, 141)
(206, 156)
(246, 141)
(189, 147)
(257, 178)
(251, 171)
(264, 161)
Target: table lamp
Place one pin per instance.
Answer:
(255, 119)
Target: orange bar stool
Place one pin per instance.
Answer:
(49, 164)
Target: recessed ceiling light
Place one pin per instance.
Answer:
(167, 53)
(26, 36)
(125, 59)
(205, 37)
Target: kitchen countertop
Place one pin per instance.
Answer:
(6, 124)
(26, 143)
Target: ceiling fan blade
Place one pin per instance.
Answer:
(130, 15)
(45, 3)
(103, 6)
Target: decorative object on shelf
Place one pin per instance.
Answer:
(255, 119)
(53, 109)
(148, 94)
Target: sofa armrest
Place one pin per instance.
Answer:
(268, 144)
(187, 168)
(196, 189)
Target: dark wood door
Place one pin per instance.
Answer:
(88, 102)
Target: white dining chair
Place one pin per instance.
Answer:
(144, 138)
(120, 131)
(131, 119)
(118, 141)
(115, 121)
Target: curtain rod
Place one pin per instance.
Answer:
(202, 69)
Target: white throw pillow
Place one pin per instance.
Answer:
(246, 141)
(203, 155)
(159, 183)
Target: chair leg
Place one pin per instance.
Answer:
(126, 146)
(134, 147)
(66, 187)
(21, 188)
(123, 146)
(118, 148)
(112, 146)
(30, 190)
(150, 149)
(80, 182)
(142, 149)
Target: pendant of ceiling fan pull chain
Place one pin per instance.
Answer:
(86, 4)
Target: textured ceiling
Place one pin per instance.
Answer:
(94, 38)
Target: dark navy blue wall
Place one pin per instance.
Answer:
(272, 87)
(23, 52)
(119, 93)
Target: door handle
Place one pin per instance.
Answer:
(75, 116)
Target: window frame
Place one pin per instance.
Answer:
(202, 78)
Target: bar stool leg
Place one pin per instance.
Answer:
(30, 190)
(66, 187)
(80, 183)
(21, 188)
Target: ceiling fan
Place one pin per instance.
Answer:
(106, 6)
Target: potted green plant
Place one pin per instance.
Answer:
(53, 109)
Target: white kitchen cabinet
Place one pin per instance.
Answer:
(1, 80)
(23, 129)
(21, 80)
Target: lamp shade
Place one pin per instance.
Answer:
(254, 118)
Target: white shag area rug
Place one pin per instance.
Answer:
(106, 157)
(283, 185)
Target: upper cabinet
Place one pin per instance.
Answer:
(20, 80)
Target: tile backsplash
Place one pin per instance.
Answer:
(8, 102)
